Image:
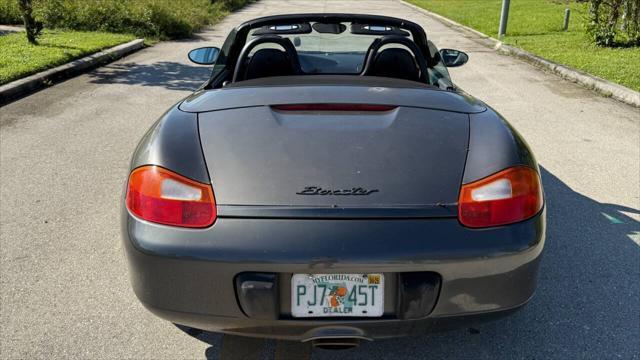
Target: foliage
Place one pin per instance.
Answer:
(147, 18)
(614, 22)
(536, 26)
(19, 58)
(10, 12)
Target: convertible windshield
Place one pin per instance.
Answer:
(335, 49)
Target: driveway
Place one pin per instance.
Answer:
(64, 156)
(8, 29)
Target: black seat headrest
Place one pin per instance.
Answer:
(268, 62)
(396, 63)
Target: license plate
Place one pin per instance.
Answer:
(331, 295)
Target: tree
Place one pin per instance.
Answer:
(615, 22)
(31, 26)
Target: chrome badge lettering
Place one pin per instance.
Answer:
(316, 190)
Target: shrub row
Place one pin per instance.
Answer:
(614, 22)
(148, 18)
(9, 12)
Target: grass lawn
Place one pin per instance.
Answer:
(18, 58)
(536, 26)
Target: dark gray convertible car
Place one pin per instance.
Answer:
(329, 183)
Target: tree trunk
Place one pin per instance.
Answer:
(612, 21)
(595, 10)
(31, 27)
(635, 18)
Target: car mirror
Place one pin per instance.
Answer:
(329, 28)
(204, 55)
(453, 58)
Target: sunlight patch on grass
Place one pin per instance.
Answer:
(18, 58)
(536, 26)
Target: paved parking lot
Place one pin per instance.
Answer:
(64, 156)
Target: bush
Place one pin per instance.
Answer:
(231, 4)
(147, 18)
(10, 12)
(614, 22)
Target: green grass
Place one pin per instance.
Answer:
(18, 58)
(536, 26)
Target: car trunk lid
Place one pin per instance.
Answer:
(398, 162)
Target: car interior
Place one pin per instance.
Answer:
(348, 46)
(340, 48)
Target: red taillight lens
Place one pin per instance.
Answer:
(159, 195)
(506, 197)
(333, 107)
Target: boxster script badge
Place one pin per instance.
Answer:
(316, 190)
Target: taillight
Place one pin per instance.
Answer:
(506, 197)
(162, 196)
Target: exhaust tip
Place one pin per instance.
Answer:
(336, 343)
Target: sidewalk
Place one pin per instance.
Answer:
(6, 29)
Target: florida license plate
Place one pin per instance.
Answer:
(330, 295)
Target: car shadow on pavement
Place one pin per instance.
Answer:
(167, 74)
(586, 305)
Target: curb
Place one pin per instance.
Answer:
(25, 86)
(602, 86)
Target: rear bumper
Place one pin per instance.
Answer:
(187, 276)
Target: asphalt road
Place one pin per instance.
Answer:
(64, 157)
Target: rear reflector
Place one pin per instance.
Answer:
(162, 196)
(506, 197)
(333, 107)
